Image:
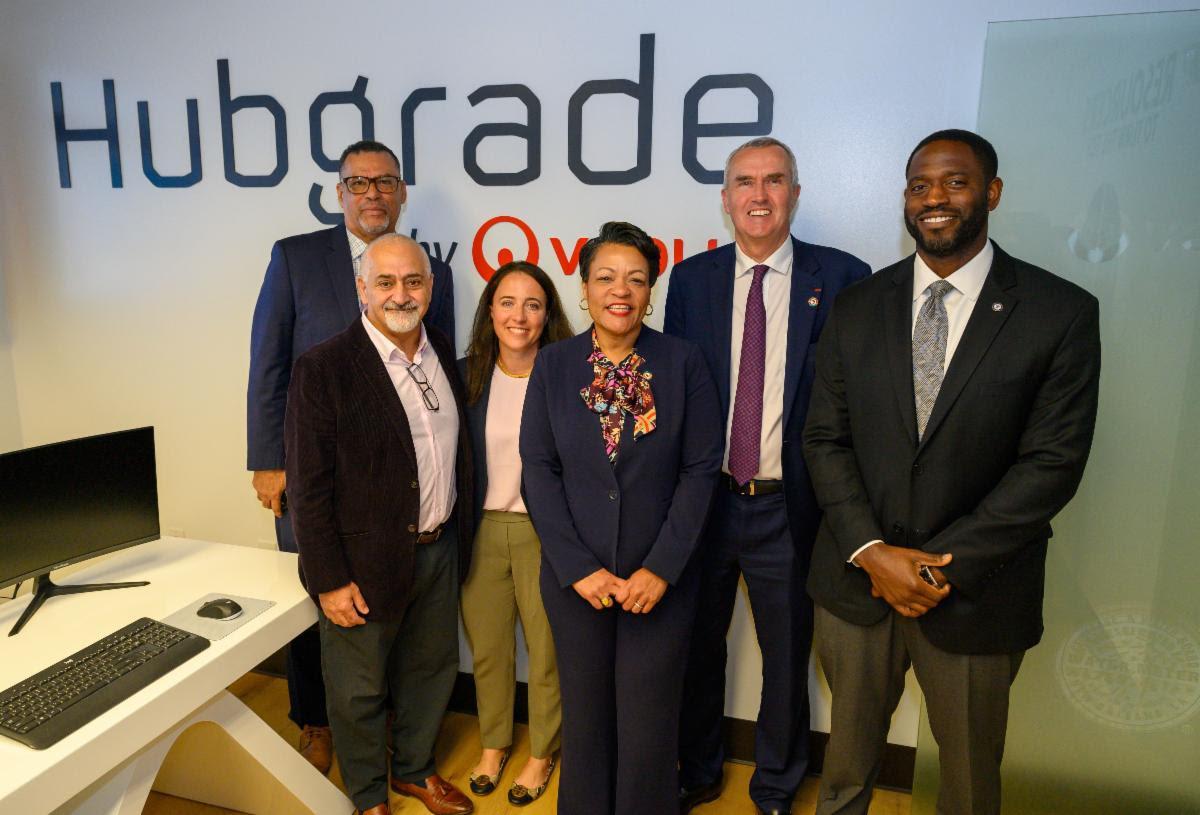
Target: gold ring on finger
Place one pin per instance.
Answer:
(606, 601)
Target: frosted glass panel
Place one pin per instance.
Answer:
(1097, 123)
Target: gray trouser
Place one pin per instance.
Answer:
(966, 697)
(415, 659)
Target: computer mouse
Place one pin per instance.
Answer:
(220, 609)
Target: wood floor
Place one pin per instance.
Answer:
(457, 751)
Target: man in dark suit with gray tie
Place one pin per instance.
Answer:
(307, 296)
(755, 307)
(951, 419)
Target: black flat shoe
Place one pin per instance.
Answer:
(486, 784)
(520, 795)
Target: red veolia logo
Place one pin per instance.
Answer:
(568, 263)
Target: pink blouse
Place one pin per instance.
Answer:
(502, 431)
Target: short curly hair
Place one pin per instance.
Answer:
(625, 234)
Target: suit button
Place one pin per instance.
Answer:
(898, 529)
(413, 484)
(412, 527)
(917, 469)
(612, 495)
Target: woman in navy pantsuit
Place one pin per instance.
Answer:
(621, 442)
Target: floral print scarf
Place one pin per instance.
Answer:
(617, 390)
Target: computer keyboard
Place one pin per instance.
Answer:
(56, 702)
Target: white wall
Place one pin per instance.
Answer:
(132, 306)
(10, 425)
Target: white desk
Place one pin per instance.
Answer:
(108, 765)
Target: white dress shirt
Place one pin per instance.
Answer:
(434, 432)
(777, 296)
(967, 281)
(357, 247)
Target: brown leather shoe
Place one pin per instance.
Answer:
(438, 795)
(378, 809)
(316, 745)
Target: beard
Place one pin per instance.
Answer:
(374, 228)
(402, 320)
(971, 224)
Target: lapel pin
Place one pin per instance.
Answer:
(997, 307)
(813, 302)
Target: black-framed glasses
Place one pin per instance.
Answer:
(427, 393)
(359, 184)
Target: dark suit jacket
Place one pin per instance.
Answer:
(1003, 452)
(648, 510)
(476, 429)
(352, 471)
(307, 296)
(700, 309)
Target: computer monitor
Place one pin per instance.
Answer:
(66, 502)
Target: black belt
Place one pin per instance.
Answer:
(431, 536)
(754, 487)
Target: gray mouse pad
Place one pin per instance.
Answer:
(187, 619)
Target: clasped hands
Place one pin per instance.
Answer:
(638, 594)
(895, 576)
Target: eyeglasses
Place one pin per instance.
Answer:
(422, 382)
(359, 184)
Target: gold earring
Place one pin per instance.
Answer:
(583, 304)
(649, 309)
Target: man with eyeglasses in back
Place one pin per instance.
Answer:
(308, 295)
(376, 461)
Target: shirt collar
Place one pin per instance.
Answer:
(966, 279)
(388, 350)
(779, 261)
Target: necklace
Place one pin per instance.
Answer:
(509, 373)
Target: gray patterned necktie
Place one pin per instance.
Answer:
(929, 351)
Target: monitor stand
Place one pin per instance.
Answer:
(44, 588)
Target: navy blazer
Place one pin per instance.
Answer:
(700, 309)
(650, 508)
(308, 295)
(352, 473)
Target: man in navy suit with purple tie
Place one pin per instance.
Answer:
(756, 307)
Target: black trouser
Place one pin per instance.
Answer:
(622, 679)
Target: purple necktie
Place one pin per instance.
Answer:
(745, 433)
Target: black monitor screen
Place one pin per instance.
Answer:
(65, 502)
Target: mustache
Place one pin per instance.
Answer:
(405, 307)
